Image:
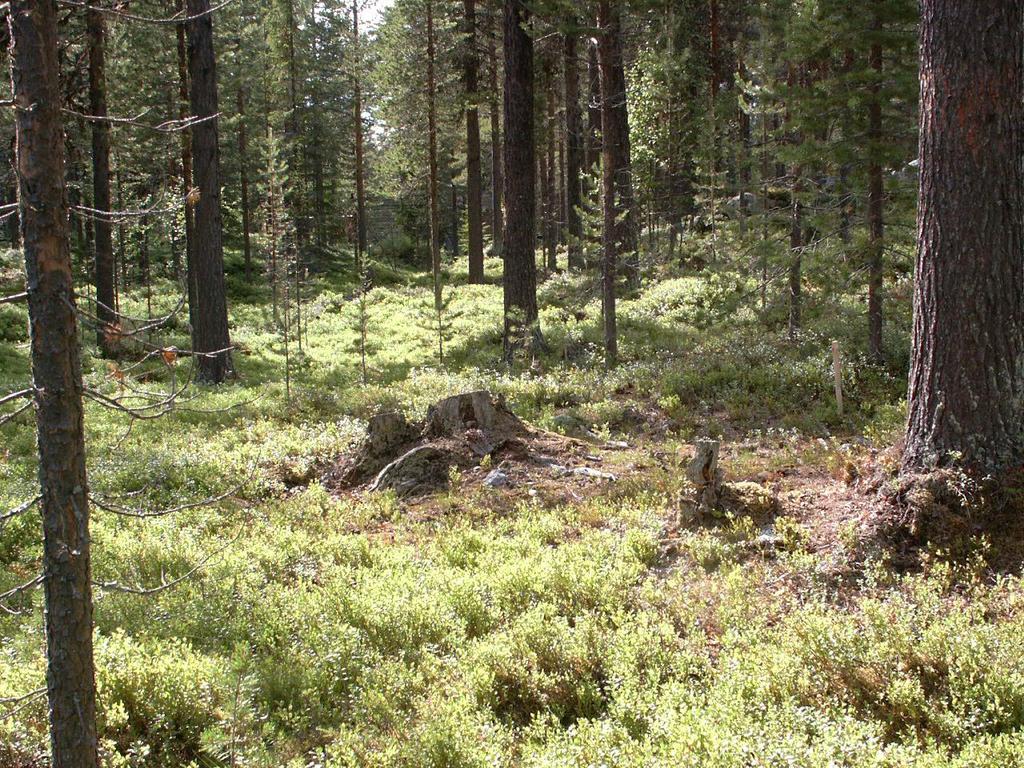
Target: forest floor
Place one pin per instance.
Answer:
(554, 618)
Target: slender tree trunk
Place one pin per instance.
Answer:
(243, 166)
(615, 137)
(435, 215)
(520, 284)
(455, 220)
(765, 207)
(592, 147)
(122, 241)
(548, 179)
(497, 180)
(474, 183)
(966, 393)
(103, 235)
(574, 150)
(57, 378)
(610, 193)
(173, 179)
(795, 255)
(186, 170)
(210, 339)
(876, 200)
(744, 163)
(357, 98)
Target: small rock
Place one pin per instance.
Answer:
(594, 474)
(496, 479)
(558, 470)
(616, 445)
(768, 539)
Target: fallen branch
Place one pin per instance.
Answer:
(115, 586)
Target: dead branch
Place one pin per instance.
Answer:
(143, 514)
(5, 516)
(114, 586)
(20, 702)
(26, 587)
(167, 126)
(171, 20)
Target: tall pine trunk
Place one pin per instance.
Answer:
(592, 148)
(615, 138)
(103, 238)
(435, 214)
(210, 339)
(243, 169)
(57, 377)
(520, 152)
(497, 179)
(357, 99)
(548, 184)
(474, 183)
(966, 392)
(876, 199)
(573, 149)
(186, 173)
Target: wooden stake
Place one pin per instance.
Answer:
(837, 374)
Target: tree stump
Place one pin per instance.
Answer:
(424, 468)
(386, 434)
(454, 416)
(704, 473)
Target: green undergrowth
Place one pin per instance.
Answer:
(311, 630)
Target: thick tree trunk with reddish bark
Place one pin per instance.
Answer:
(573, 150)
(520, 153)
(966, 391)
(57, 378)
(103, 238)
(210, 339)
(474, 183)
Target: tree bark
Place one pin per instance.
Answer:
(612, 201)
(592, 148)
(795, 254)
(966, 392)
(876, 199)
(103, 239)
(497, 180)
(573, 150)
(435, 215)
(357, 98)
(186, 172)
(57, 378)
(520, 284)
(548, 185)
(615, 138)
(243, 166)
(210, 338)
(474, 183)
